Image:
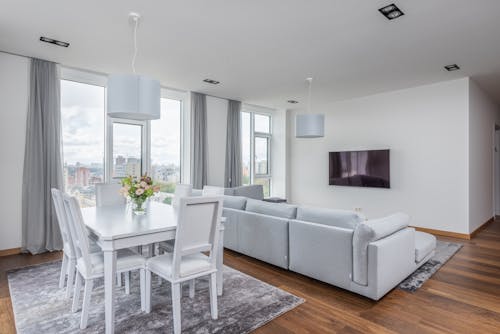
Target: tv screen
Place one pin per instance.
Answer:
(360, 169)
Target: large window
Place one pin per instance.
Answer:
(127, 149)
(132, 147)
(83, 116)
(256, 149)
(166, 147)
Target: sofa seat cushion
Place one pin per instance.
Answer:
(331, 217)
(272, 209)
(425, 243)
(235, 202)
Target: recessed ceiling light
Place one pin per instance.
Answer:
(292, 101)
(452, 67)
(211, 81)
(54, 41)
(391, 12)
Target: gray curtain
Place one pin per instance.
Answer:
(42, 160)
(199, 158)
(233, 146)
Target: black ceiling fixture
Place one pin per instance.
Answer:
(211, 81)
(54, 41)
(452, 67)
(292, 101)
(391, 12)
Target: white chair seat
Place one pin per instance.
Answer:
(126, 260)
(190, 265)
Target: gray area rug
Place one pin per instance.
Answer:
(247, 303)
(444, 251)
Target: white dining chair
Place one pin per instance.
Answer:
(91, 265)
(68, 266)
(212, 191)
(108, 194)
(181, 190)
(198, 224)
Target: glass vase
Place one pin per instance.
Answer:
(139, 206)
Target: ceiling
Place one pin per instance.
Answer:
(262, 50)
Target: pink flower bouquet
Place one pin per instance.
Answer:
(138, 190)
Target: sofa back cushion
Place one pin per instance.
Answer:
(235, 202)
(254, 191)
(272, 209)
(332, 217)
(229, 191)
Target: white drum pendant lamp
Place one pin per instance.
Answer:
(309, 125)
(133, 96)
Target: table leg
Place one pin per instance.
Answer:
(151, 250)
(220, 263)
(109, 290)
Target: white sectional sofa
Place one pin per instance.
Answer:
(334, 246)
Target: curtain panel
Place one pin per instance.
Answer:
(199, 160)
(42, 160)
(233, 172)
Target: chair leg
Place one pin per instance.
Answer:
(191, 288)
(76, 294)
(176, 307)
(213, 296)
(71, 276)
(118, 279)
(142, 276)
(147, 292)
(64, 270)
(89, 284)
(127, 282)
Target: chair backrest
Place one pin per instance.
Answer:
(78, 230)
(108, 194)
(212, 191)
(62, 219)
(198, 223)
(181, 190)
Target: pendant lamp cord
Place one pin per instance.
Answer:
(309, 80)
(135, 44)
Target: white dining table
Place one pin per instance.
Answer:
(116, 227)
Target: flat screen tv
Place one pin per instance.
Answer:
(360, 169)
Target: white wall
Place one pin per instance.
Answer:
(216, 137)
(14, 72)
(483, 114)
(424, 127)
(279, 153)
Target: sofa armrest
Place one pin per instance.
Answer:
(390, 260)
(321, 251)
(370, 231)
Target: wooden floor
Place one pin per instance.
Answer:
(462, 297)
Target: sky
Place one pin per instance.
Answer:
(83, 115)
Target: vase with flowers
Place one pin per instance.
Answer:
(138, 189)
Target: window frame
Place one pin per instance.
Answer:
(145, 145)
(253, 135)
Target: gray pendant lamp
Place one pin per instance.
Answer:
(309, 125)
(133, 96)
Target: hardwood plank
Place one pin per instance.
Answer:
(462, 297)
